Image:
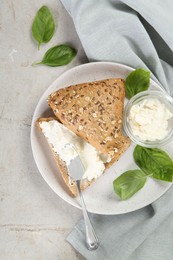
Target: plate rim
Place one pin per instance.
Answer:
(33, 128)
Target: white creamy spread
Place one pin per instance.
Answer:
(58, 136)
(149, 118)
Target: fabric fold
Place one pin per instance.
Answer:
(123, 234)
(137, 34)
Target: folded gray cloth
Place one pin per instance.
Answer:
(138, 34)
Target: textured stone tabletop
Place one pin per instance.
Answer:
(34, 221)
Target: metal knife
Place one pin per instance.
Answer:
(76, 171)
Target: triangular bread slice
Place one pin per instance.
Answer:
(94, 111)
(72, 186)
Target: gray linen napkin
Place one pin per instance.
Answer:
(138, 34)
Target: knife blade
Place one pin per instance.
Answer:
(76, 168)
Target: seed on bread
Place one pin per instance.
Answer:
(81, 110)
(111, 153)
(80, 127)
(87, 98)
(115, 135)
(94, 114)
(108, 138)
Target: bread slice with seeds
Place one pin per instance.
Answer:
(94, 111)
(71, 185)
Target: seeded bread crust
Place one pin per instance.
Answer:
(94, 111)
(72, 186)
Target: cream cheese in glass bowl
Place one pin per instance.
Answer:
(148, 118)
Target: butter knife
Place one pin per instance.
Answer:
(76, 171)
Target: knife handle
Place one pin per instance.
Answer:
(91, 238)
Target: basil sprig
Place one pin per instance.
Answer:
(153, 162)
(129, 183)
(136, 82)
(58, 56)
(43, 26)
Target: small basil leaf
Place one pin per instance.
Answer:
(129, 183)
(155, 162)
(43, 26)
(136, 82)
(58, 56)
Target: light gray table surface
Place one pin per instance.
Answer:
(34, 221)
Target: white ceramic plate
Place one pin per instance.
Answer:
(100, 197)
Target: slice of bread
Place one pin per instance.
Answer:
(94, 111)
(72, 186)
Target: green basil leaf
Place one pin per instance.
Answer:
(136, 82)
(58, 56)
(155, 162)
(43, 26)
(127, 184)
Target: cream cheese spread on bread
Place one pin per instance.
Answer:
(58, 136)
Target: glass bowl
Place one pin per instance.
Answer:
(128, 123)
